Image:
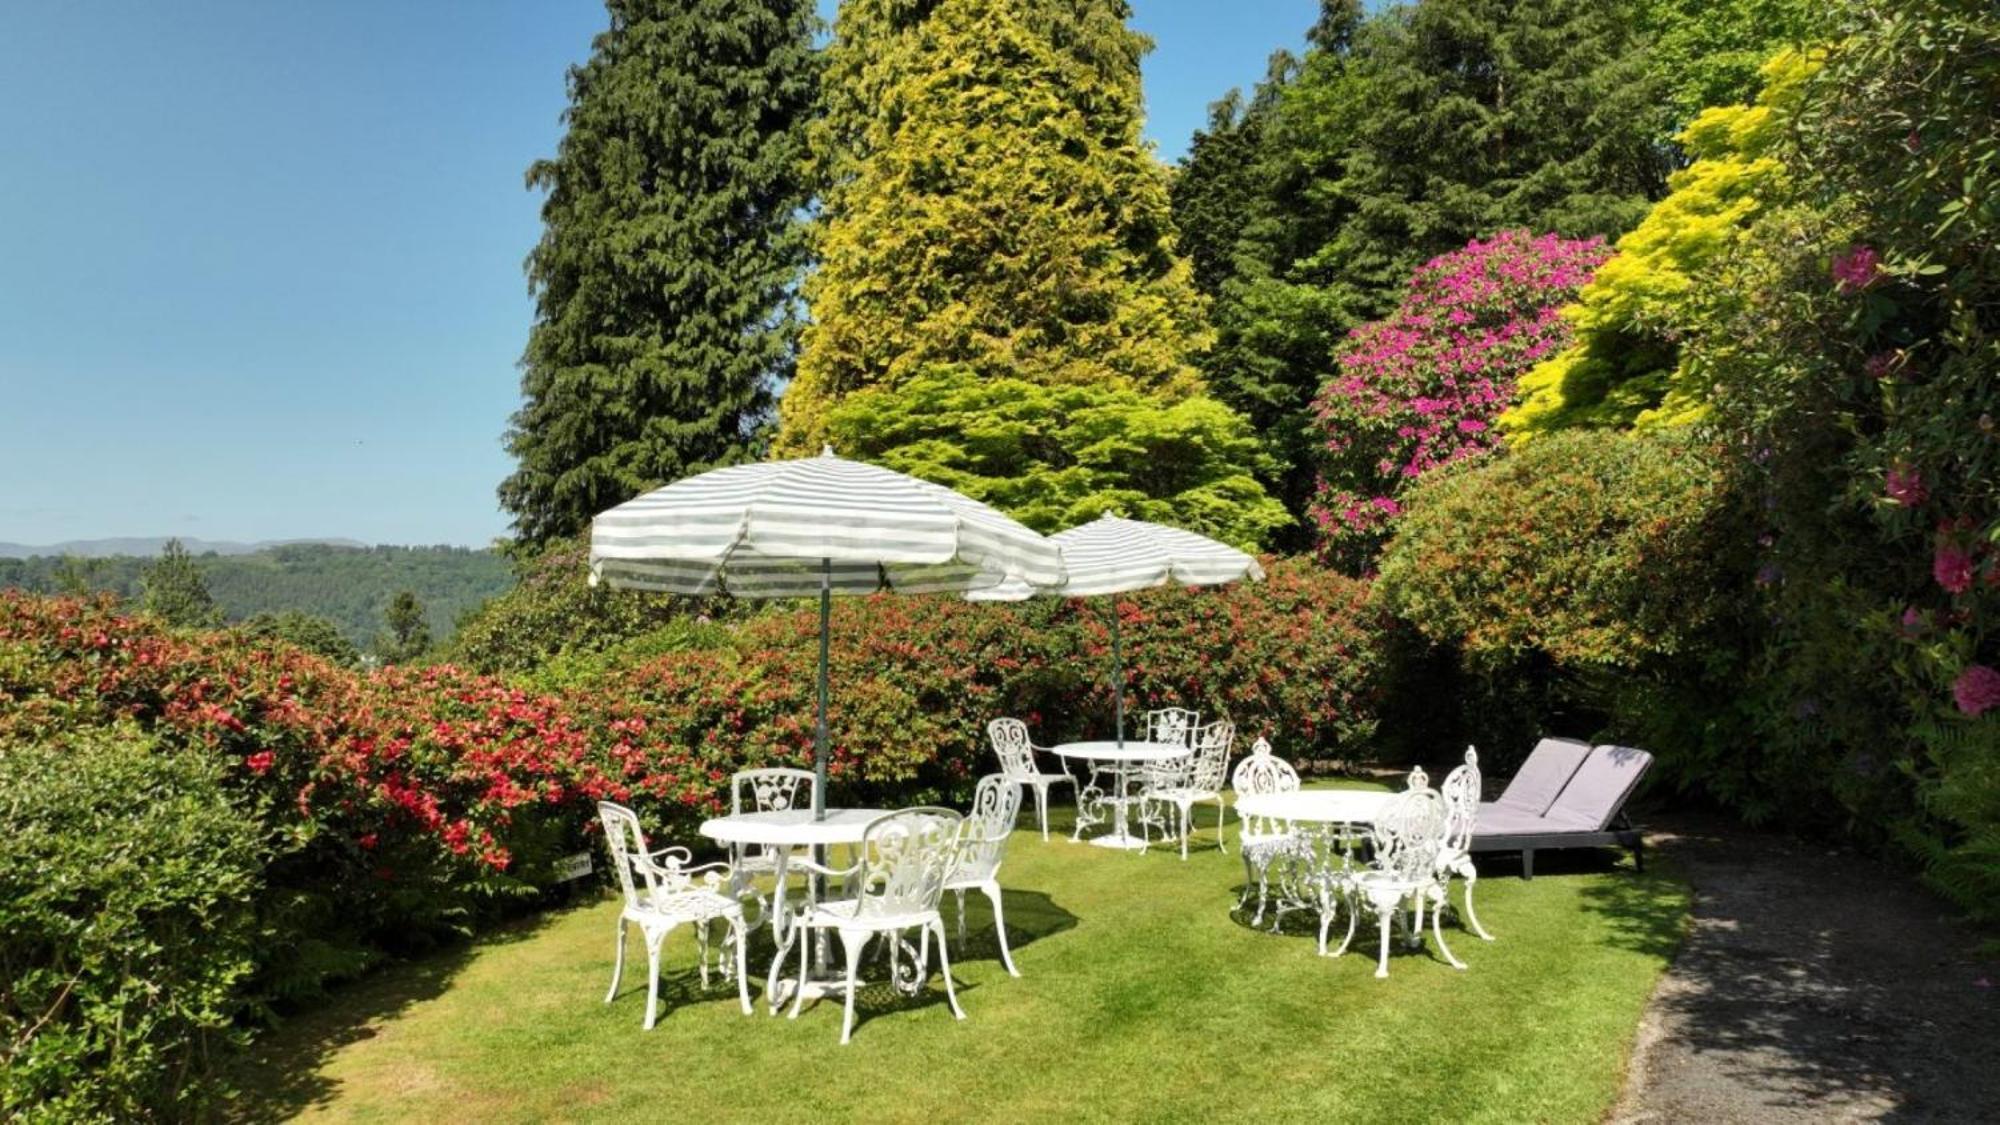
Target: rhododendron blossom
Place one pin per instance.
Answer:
(1977, 689)
(1857, 269)
(1952, 566)
(1421, 388)
(1906, 486)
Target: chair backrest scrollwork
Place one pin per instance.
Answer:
(1263, 772)
(1172, 724)
(1461, 791)
(1012, 747)
(1408, 834)
(771, 790)
(1210, 764)
(906, 857)
(995, 804)
(642, 877)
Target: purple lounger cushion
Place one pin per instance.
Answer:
(1540, 779)
(1593, 797)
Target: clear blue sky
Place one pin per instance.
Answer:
(260, 263)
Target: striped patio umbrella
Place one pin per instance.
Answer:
(1114, 555)
(813, 526)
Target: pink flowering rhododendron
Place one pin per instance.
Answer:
(1857, 269)
(1977, 689)
(1906, 486)
(1422, 387)
(1952, 566)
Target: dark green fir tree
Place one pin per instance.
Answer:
(666, 276)
(173, 589)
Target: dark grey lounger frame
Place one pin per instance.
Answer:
(1621, 834)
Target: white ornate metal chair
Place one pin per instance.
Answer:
(1461, 792)
(983, 845)
(1017, 764)
(1406, 836)
(764, 790)
(1259, 838)
(1200, 778)
(661, 892)
(896, 883)
(1171, 724)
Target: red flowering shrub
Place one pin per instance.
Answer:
(1422, 388)
(916, 679)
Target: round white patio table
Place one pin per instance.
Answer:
(1316, 806)
(781, 831)
(1123, 761)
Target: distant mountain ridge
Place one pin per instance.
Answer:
(148, 546)
(349, 585)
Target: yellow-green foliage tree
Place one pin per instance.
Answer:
(991, 213)
(1627, 368)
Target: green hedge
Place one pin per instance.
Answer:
(129, 877)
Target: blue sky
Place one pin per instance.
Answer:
(260, 264)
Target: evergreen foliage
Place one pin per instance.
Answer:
(349, 586)
(1058, 456)
(405, 636)
(992, 216)
(665, 275)
(173, 589)
(310, 632)
(1401, 136)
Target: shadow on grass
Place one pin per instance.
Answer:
(279, 1077)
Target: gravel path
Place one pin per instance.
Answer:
(1817, 985)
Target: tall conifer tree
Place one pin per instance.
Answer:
(992, 215)
(666, 273)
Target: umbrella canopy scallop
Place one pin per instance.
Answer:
(1113, 555)
(793, 528)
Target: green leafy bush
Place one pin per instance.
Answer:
(1596, 549)
(553, 612)
(129, 881)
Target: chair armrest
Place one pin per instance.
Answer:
(822, 869)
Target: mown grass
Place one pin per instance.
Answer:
(1142, 999)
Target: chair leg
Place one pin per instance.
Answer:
(1000, 928)
(1042, 810)
(617, 966)
(944, 966)
(1437, 934)
(742, 931)
(653, 943)
(960, 892)
(1353, 918)
(701, 929)
(1187, 825)
(1221, 814)
(853, 942)
(1382, 959)
(1471, 918)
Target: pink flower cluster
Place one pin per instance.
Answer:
(1977, 689)
(1422, 387)
(1906, 486)
(1857, 269)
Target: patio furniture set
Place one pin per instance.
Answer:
(824, 526)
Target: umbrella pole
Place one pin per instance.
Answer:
(819, 729)
(1117, 674)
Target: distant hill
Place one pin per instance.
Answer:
(150, 546)
(349, 584)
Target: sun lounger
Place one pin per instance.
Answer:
(1585, 809)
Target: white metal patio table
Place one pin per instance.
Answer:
(1121, 761)
(1322, 835)
(781, 831)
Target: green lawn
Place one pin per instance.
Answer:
(1141, 999)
